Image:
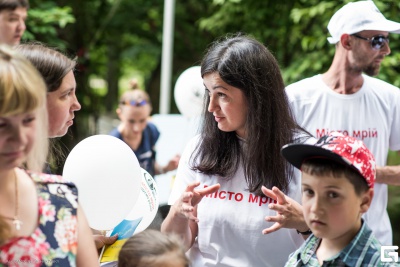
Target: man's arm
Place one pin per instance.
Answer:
(388, 174)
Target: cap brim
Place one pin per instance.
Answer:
(296, 154)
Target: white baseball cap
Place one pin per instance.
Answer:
(359, 16)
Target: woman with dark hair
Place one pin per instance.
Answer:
(234, 161)
(58, 72)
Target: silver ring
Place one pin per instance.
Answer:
(283, 216)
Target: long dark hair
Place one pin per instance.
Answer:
(248, 65)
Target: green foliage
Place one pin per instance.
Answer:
(44, 20)
(132, 28)
(309, 18)
(54, 15)
(295, 31)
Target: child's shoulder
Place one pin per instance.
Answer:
(151, 126)
(364, 250)
(374, 254)
(305, 254)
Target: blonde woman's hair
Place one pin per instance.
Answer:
(22, 90)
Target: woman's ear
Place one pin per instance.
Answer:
(366, 199)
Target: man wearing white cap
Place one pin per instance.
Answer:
(347, 100)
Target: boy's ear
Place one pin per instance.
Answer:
(366, 200)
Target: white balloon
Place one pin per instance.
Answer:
(146, 207)
(139, 218)
(108, 176)
(189, 92)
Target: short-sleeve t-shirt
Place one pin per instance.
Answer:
(231, 220)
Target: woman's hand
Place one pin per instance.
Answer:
(185, 205)
(182, 217)
(289, 212)
(172, 164)
(101, 240)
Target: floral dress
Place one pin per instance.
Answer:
(54, 242)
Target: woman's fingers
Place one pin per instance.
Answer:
(192, 186)
(289, 213)
(280, 196)
(208, 190)
(191, 197)
(268, 192)
(273, 228)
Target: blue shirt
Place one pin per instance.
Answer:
(364, 250)
(145, 152)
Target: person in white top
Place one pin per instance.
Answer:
(348, 100)
(226, 186)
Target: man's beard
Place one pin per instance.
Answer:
(371, 69)
(362, 65)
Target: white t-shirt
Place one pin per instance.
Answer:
(372, 115)
(232, 219)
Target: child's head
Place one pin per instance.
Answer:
(13, 14)
(325, 167)
(151, 248)
(133, 111)
(23, 116)
(338, 174)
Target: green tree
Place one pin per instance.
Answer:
(295, 31)
(44, 20)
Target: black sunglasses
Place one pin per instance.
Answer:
(377, 42)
